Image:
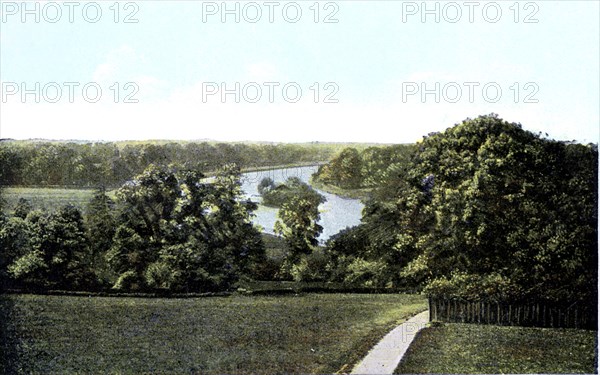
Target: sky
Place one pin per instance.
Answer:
(284, 71)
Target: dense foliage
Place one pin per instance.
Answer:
(369, 168)
(485, 207)
(48, 250)
(275, 195)
(297, 224)
(29, 163)
(483, 210)
(168, 230)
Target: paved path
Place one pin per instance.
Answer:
(385, 356)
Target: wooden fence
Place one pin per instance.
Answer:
(533, 314)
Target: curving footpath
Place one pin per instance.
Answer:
(386, 355)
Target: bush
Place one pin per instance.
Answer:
(128, 280)
(311, 267)
(366, 273)
(469, 287)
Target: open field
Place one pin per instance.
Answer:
(347, 193)
(476, 349)
(314, 333)
(49, 198)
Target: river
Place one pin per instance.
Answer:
(337, 212)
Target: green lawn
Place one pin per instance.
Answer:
(472, 349)
(49, 198)
(361, 193)
(312, 333)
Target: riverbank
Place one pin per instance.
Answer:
(361, 194)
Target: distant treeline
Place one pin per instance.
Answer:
(353, 168)
(29, 163)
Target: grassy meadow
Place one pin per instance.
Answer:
(49, 198)
(487, 349)
(361, 193)
(312, 333)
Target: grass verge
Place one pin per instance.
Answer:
(477, 349)
(313, 333)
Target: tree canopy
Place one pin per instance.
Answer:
(489, 199)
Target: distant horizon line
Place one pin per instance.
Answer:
(200, 140)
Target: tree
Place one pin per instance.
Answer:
(278, 194)
(231, 221)
(145, 224)
(177, 232)
(343, 248)
(100, 227)
(57, 255)
(297, 223)
(266, 184)
(487, 200)
(344, 170)
(16, 240)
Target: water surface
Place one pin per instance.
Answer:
(337, 212)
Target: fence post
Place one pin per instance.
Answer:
(470, 312)
(560, 318)
(456, 317)
(498, 319)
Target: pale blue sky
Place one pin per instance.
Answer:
(368, 54)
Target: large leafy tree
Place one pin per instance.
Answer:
(50, 250)
(147, 204)
(230, 219)
(100, 225)
(16, 240)
(178, 231)
(344, 170)
(278, 194)
(486, 197)
(297, 222)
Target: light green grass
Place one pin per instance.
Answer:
(313, 333)
(476, 349)
(361, 193)
(49, 198)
